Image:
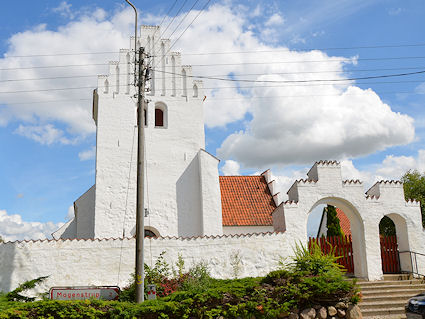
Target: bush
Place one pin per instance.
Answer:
(310, 278)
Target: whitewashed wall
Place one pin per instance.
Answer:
(386, 198)
(111, 261)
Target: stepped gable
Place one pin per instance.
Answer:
(246, 201)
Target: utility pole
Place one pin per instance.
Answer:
(140, 211)
(139, 78)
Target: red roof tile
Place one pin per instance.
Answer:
(246, 201)
(344, 222)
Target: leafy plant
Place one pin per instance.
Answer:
(313, 261)
(15, 295)
(236, 263)
(414, 188)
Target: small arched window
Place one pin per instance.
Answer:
(150, 233)
(159, 117)
(106, 87)
(184, 82)
(195, 90)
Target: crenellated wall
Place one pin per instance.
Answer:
(386, 198)
(111, 261)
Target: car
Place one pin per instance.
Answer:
(415, 308)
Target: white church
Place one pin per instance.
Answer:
(191, 211)
(184, 194)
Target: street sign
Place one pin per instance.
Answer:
(151, 292)
(81, 293)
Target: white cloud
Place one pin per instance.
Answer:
(64, 9)
(43, 134)
(87, 154)
(391, 168)
(337, 123)
(230, 168)
(395, 11)
(12, 227)
(88, 32)
(420, 89)
(275, 20)
(361, 123)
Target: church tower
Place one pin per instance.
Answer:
(182, 193)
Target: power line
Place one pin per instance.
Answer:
(171, 46)
(53, 66)
(295, 85)
(175, 29)
(226, 52)
(222, 64)
(305, 49)
(235, 80)
(312, 72)
(203, 8)
(50, 78)
(231, 98)
(312, 61)
(308, 95)
(47, 101)
(58, 54)
(217, 75)
(172, 20)
(184, 18)
(219, 87)
(299, 81)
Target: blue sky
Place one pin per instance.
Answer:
(376, 129)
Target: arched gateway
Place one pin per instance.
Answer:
(325, 186)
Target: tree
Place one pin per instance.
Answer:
(386, 227)
(1, 240)
(414, 188)
(332, 221)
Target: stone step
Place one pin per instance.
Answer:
(418, 287)
(383, 313)
(382, 305)
(389, 277)
(386, 317)
(391, 282)
(396, 297)
(390, 292)
(398, 276)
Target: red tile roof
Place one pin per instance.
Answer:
(344, 222)
(246, 201)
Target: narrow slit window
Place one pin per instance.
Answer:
(159, 118)
(145, 117)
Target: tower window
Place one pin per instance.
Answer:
(145, 117)
(159, 118)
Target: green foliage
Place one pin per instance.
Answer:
(310, 278)
(387, 227)
(414, 188)
(332, 222)
(15, 295)
(1, 240)
(180, 266)
(313, 261)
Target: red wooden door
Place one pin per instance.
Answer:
(342, 246)
(389, 255)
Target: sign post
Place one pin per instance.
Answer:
(82, 293)
(151, 292)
